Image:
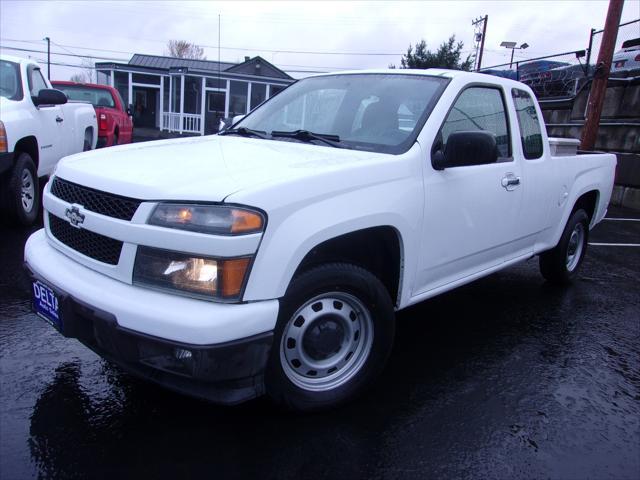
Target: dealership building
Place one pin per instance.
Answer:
(191, 96)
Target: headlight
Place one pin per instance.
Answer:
(195, 276)
(215, 219)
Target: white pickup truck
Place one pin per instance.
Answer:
(272, 258)
(37, 128)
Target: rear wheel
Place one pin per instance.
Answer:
(561, 264)
(88, 140)
(116, 139)
(333, 337)
(22, 196)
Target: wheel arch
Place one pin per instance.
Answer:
(378, 249)
(29, 145)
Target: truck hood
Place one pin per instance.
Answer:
(204, 168)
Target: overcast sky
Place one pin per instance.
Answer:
(327, 30)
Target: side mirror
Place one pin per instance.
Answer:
(130, 110)
(49, 96)
(465, 149)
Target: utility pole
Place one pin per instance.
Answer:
(601, 75)
(482, 36)
(48, 57)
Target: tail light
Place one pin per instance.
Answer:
(3, 139)
(637, 59)
(102, 122)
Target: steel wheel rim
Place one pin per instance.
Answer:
(575, 247)
(331, 315)
(28, 190)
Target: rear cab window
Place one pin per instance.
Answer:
(479, 108)
(528, 123)
(98, 97)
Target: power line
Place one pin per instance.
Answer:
(260, 49)
(92, 57)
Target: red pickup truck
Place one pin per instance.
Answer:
(115, 126)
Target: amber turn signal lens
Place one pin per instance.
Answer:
(245, 221)
(233, 273)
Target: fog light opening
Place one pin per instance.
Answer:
(182, 354)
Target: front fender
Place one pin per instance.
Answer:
(293, 232)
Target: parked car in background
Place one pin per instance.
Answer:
(115, 126)
(628, 58)
(37, 128)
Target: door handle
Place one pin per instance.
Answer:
(59, 119)
(510, 181)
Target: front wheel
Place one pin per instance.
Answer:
(22, 197)
(560, 264)
(334, 334)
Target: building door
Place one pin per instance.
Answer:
(145, 107)
(214, 111)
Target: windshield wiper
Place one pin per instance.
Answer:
(307, 136)
(245, 132)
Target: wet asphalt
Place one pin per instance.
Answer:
(507, 377)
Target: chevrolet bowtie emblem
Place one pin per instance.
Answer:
(74, 216)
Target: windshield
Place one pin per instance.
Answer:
(10, 84)
(98, 97)
(375, 112)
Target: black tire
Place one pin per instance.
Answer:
(116, 139)
(88, 141)
(558, 265)
(375, 314)
(23, 213)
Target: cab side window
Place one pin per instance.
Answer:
(479, 108)
(36, 82)
(530, 132)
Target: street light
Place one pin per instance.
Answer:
(512, 46)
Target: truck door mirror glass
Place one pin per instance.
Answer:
(465, 149)
(49, 96)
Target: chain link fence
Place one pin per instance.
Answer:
(626, 31)
(563, 74)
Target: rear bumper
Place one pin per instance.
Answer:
(104, 140)
(217, 352)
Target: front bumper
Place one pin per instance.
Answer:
(148, 332)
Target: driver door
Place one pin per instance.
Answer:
(470, 217)
(49, 120)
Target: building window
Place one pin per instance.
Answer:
(121, 82)
(142, 78)
(238, 98)
(175, 97)
(192, 94)
(216, 83)
(274, 89)
(166, 94)
(258, 94)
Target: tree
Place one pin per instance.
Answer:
(184, 49)
(447, 56)
(87, 73)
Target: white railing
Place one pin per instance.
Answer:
(171, 121)
(190, 122)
